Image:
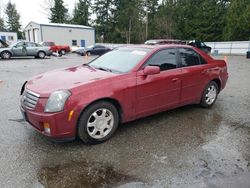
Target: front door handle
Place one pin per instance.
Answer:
(206, 71)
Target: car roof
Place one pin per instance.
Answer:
(156, 47)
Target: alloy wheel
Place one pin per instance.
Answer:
(100, 123)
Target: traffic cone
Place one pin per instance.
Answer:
(225, 59)
(86, 57)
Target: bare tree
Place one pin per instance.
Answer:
(46, 6)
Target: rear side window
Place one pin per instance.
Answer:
(165, 59)
(30, 44)
(190, 58)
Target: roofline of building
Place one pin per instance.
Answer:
(73, 26)
(8, 32)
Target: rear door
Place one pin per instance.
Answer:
(194, 75)
(31, 48)
(160, 91)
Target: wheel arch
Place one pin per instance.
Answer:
(41, 51)
(11, 54)
(113, 101)
(218, 82)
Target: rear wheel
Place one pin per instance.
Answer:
(41, 55)
(63, 52)
(88, 54)
(210, 94)
(98, 123)
(5, 55)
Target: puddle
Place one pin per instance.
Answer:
(83, 174)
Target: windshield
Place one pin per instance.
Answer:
(14, 44)
(89, 47)
(121, 60)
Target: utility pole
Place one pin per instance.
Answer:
(129, 30)
(146, 19)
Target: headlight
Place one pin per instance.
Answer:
(57, 101)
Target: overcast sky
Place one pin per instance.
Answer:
(33, 10)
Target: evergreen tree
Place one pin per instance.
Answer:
(205, 22)
(58, 13)
(2, 26)
(81, 12)
(13, 19)
(104, 10)
(130, 21)
(238, 20)
(151, 8)
(164, 23)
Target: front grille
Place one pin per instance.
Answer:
(29, 99)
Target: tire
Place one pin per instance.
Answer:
(5, 55)
(63, 52)
(94, 126)
(209, 95)
(41, 55)
(88, 54)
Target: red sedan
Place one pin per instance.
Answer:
(90, 100)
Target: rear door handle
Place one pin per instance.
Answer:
(175, 79)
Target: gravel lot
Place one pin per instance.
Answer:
(186, 147)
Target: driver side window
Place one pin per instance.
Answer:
(165, 59)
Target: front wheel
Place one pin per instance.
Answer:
(98, 123)
(5, 55)
(210, 94)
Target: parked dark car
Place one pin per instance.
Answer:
(201, 45)
(90, 100)
(195, 43)
(94, 50)
(163, 41)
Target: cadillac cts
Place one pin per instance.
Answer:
(90, 100)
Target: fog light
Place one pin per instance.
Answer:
(46, 127)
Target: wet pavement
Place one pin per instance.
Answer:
(185, 147)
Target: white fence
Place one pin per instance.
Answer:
(231, 48)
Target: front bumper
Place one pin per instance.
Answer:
(61, 127)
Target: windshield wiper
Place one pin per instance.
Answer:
(87, 65)
(104, 69)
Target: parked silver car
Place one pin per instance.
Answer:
(22, 49)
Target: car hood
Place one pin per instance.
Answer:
(5, 48)
(65, 79)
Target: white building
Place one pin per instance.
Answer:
(61, 34)
(8, 37)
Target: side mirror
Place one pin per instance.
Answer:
(150, 70)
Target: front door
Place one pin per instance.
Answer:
(161, 91)
(19, 49)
